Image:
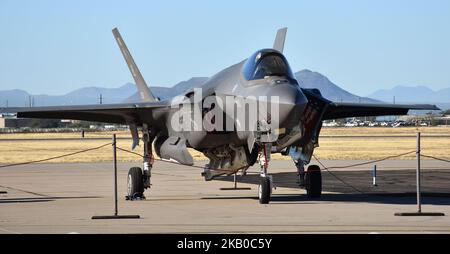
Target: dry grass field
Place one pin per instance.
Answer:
(375, 143)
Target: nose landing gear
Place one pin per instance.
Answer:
(266, 182)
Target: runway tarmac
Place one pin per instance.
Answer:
(62, 198)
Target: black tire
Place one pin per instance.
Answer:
(264, 190)
(313, 182)
(135, 182)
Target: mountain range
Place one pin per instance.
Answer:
(407, 94)
(306, 78)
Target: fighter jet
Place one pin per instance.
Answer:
(238, 117)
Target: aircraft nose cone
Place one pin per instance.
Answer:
(289, 94)
(291, 103)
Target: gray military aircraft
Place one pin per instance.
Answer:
(291, 128)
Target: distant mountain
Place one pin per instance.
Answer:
(329, 90)
(414, 94)
(167, 92)
(410, 94)
(109, 95)
(306, 78)
(14, 97)
(87, 95)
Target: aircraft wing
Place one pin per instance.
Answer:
(342, 110)
(106, 113)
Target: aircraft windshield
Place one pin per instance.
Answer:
(266, 63)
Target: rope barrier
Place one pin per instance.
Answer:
(355, 165)
(131, 152)
(56, 157)
(338, 178)
(365, 163)
(435, 158)
(369, 162)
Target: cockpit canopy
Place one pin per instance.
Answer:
(266, 63)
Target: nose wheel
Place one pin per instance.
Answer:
(265, 190)
(266, 181)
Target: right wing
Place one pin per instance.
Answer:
(133, 115)
(112, 113)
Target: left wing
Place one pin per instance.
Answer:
(342, 110)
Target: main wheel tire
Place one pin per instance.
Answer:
(313, 182)
(135, 182)
(264, 190)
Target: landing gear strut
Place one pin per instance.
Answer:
(266, 182)
(138, 180)
(300, 173)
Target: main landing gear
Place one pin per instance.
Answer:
(313, 182)
(135, 184)
(138, 180)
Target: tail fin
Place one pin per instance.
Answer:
(144, 91)
(279, 40)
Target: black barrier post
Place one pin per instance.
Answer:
(116, 212)
(419, 199)
(374, 175)
(114, 144)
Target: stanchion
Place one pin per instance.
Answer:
(419, 199)
(116, 212)
(374, 175)
(235, 185)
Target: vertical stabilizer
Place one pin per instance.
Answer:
(279, 40)
(144, 92)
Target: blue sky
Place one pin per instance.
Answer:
(53, 47)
